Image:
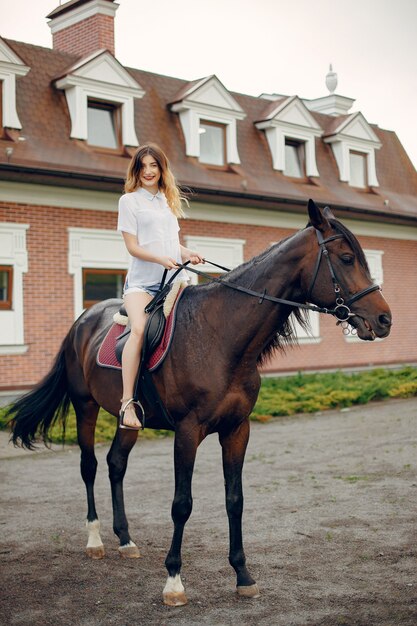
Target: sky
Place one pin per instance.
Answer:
(266, 46)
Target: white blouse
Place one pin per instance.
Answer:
(149, 217)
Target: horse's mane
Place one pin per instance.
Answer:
(287, 335)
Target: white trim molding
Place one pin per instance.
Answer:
(224, 251)
(93, 248)
(77, 14)
(11, 66)
(13, 252)
(208, 100)
(354, 134)
(290, 119)
(100, 76)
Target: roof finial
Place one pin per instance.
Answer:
(331, 79)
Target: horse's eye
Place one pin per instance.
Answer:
(348, 259)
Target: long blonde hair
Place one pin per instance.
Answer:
(167, 182)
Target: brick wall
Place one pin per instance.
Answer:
(49, 289)
(87, 36)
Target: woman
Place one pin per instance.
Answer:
(148, 213)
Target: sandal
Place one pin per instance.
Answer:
(122, 411)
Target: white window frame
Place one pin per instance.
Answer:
(13, 252)
(209, 124)
(11, 66)
(224, 251)
(93, 249)
(364, 157)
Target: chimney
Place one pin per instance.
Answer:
(82, 27)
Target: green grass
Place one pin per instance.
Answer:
(302, 393)
(310, 393)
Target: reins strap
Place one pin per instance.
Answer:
(250, 292)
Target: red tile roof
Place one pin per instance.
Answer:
(45, 119)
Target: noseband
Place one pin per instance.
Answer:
(342, 310)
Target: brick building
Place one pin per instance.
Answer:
(71, 118)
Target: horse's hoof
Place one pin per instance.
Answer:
(174, 592)
(173, 598)
(97, 552)
(129, 551)
(251, 591)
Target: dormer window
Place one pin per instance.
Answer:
(294, 159)
(358, 167)
(212, 143)
(11, 68)
(291, 132)
(354, 142)
(104, 125)
(208, 114)
(100, 95)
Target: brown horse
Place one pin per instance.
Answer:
(209, 381)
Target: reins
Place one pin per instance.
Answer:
(341, 311)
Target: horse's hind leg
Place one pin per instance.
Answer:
(87, 411)
(117, 457)
(234, 447)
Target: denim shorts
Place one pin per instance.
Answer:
(149, 289)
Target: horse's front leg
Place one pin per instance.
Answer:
(185, 448)
(117, 458)
(234, 447)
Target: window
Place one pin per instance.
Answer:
(6, 283)
(357, 169)
(294, 159)
(212, 143)
(101, 284)
(13, 265)
(98, 260)
(104, 128)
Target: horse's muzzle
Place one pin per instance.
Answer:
(369, 330)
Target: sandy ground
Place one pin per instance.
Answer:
(330, 529)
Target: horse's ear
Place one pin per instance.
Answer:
(318, 218)
(328, 213)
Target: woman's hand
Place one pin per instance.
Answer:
(189, 255)
(167, 262)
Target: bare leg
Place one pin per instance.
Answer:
(186, 443)
(135, 304)
(234, 447)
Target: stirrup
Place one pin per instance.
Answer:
(122, 414)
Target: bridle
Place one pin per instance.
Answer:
(341, 311)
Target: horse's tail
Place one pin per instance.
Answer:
(36, 412)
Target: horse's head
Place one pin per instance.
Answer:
(335, 272)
